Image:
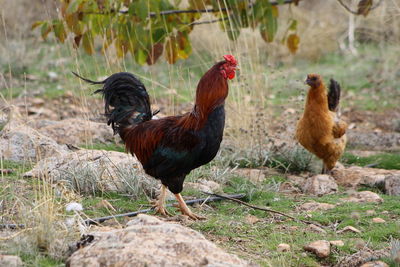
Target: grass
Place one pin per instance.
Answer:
(228, 223)
(262, 91)
(390, 161)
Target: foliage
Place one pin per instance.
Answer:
(149, 28)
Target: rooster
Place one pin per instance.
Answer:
(319, 130)
(169, 148)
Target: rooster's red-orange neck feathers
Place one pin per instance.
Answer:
(212, 90)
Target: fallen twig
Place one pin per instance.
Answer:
(265, 209)
(135, 213)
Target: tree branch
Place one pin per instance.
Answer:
(265, 209)
(207, 21)
(191, 11)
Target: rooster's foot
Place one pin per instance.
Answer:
(185, 210)
(159, 204)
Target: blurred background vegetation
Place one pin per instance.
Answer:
(265, 100)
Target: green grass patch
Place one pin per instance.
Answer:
(108, 147)
(382, 161)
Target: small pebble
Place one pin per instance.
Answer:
(283, 247)
(378, 220)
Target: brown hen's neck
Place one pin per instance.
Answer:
(317, 96)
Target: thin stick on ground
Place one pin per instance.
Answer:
(265, 209)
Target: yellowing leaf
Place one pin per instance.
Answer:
(36, 24)
(154, 53)
(73, 6)
(88, 43)
(293, 25)
(275, 11)
(171, 50)
(293, 42)
(45, 29)
(140, 56)
(59, 31)
(364, 6)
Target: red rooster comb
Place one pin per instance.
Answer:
(230, 59)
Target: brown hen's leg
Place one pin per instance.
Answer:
(325, 170)
(185, 210)
(159, 204)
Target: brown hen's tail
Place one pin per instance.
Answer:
(333, 95)
(126, 100)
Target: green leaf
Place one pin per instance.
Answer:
(140, 56)
(159, 35)
(293, 25)
(74, 6)
(45, 29)
(269, 25)
(59, 31)
(141, 9)
(88, 43)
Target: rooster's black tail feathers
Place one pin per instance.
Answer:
(333, 95)
(126, 100)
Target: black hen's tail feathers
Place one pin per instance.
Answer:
(334, 95)
(126, 100)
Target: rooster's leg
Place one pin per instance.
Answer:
(185, 210)
(159, 204)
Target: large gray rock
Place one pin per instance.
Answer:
(320, 185)
(21, 143)
(90, 171)
(76, 131)
(148, 241)
(392, 185)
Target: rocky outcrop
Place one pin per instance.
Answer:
(320, 185)
(76, 131)
(89, 171)
(21, 143)
(363, 197)
(148, 241)
(354, 176)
